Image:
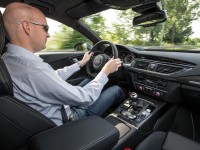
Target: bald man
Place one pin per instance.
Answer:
(45, 89)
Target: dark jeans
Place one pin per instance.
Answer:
(108, 97)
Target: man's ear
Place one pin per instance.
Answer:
(26, 27)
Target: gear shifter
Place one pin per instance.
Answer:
(136, 104)
(133, 97)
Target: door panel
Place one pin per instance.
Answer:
(59, 60)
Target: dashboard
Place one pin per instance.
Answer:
(166, 64)
(161, 74)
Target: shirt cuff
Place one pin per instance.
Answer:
(102, 77)
(79, 64)
(76, 66)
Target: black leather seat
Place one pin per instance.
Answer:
(167, 141)
(18, 122)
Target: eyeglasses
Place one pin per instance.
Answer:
(45, 27)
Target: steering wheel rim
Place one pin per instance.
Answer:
(114, 52)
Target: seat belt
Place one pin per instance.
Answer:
(64, 114)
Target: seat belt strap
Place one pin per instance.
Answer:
(64, 114)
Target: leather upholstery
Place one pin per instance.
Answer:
(18, 123)
(153, 142)
(91, 133)
(6, 87)
(2, 34)
(5, 80)
(167, 141)
(175, 141)
(3, 37)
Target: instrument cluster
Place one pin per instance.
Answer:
(125, 56)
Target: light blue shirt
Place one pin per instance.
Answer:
(45, 89)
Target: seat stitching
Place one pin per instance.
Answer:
(193, 126)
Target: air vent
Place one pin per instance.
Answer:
(141, 65)
(167, 69)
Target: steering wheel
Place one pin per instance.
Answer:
(97, 62)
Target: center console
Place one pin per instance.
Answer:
(148, 110)
(159, 88)
(135, 118)
(135, 110)
(151, 86)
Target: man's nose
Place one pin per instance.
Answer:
(48, 35)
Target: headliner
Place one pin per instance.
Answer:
(59, 9)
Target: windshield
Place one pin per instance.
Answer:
(180, 31)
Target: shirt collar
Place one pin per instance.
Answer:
(20, 51)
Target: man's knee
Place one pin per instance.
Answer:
(117, 91)
(116, 88)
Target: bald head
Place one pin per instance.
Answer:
(24, 24)
(16, 12)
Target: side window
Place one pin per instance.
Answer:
(64, 38)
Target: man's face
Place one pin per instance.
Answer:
(39, 33)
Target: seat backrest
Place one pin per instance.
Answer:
(18, 122)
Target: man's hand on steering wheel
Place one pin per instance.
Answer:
(97, 63)
(86, 58)
(111, 66)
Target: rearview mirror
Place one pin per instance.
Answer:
(151, 19)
